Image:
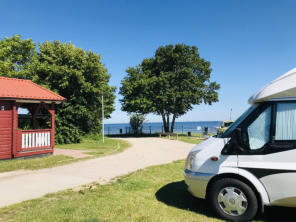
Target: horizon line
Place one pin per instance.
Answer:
(176, 121)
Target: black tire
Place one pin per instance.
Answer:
(251, 206)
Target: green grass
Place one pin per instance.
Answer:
(34, 163)
(193, 139)
(92, 145)
(189, 139)
(155, 194)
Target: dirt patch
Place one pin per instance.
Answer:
(72, 153)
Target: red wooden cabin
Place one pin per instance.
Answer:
(17, 95)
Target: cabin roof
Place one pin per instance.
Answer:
(284, 87)
(11, 88)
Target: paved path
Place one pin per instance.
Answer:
(22, 185)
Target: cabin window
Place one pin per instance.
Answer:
(25, 118)
(259, 130)
(285, 128)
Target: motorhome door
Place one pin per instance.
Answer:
(269, 138)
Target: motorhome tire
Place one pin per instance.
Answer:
(233, 200)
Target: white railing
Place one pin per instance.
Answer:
(35, 139)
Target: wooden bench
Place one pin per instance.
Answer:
(169, 135)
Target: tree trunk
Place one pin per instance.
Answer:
(173, 123)
(164, 122)
(167, 130)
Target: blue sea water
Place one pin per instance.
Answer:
(180, 127)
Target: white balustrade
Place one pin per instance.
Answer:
(35, 139)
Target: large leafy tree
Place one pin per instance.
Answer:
(169, 84)
(74, 73)
(80, 77)
(16, 56)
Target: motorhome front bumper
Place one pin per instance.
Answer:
(197, 182)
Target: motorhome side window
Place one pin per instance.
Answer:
(285, 128)
(258, 130)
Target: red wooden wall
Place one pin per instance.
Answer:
(5, 129)
(11, 137)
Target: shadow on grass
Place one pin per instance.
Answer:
(175, 194)
(278, 214)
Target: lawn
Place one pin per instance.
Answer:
(195, 138)
(154, 194)
(34, 163)
(93, 145)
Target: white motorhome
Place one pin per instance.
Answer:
(253, 163)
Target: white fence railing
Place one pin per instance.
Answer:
(35, 139)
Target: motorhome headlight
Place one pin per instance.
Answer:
(190, 160)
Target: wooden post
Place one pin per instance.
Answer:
(36, 111)
(14, 128)
(51, 111)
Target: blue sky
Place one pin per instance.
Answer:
(248, 43)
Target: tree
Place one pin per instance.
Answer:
(74, 73)
(16, 55)
(136, 122)
(81, 78)
(169, 84)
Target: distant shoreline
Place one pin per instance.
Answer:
(155, 127)
(202, 121)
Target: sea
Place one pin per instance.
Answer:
(156, 127)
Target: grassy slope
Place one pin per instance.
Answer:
(34, 163)
(194, 138)
(154, 194)
(96, 148)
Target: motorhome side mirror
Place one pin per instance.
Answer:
(236, 136)
(237, 140)
(235, 144)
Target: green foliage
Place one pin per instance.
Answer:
(80, 77)
(136, 122)
(66, 132)
(169, 84)
(16, 56)
(72, 72)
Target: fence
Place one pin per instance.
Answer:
(127, 130)
(34, 139)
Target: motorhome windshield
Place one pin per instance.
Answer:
(228, 132)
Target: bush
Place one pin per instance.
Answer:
(136, 123)
(66, 132)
